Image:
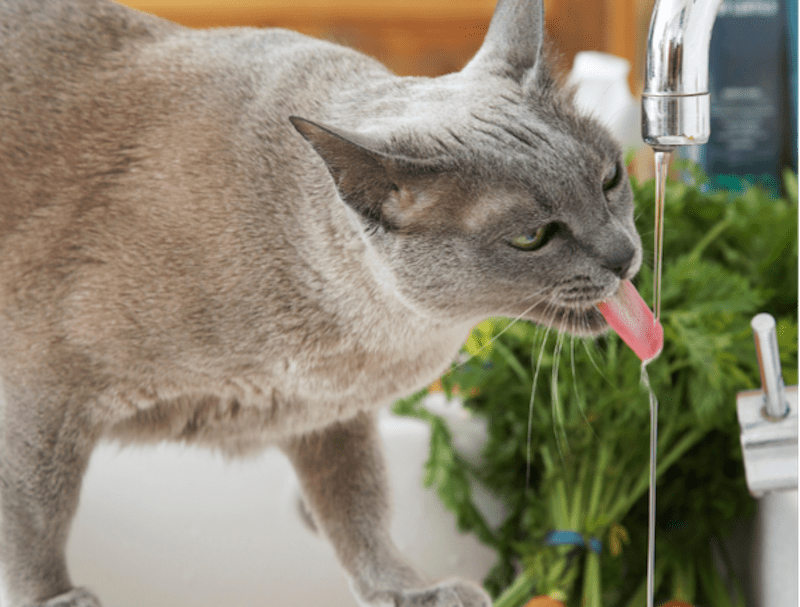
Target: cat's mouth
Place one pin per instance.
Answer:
(582, 321)
(577, 316)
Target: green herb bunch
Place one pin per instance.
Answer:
(568, 420)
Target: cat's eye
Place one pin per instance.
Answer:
(612, 178)
(535, 240)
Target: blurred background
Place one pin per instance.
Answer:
(424, 37)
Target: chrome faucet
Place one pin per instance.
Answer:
(676, 108)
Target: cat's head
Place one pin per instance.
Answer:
(485, 192)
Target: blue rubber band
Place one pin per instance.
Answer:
(564, 538)
(573, 538)
(595, 545)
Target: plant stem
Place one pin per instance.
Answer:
(710, 236)
(512, 362)
(597, 485)
(516, 594)
(592, 589)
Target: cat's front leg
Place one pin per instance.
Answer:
(45, 445)
(343, 477)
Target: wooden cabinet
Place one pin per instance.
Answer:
(424, 37)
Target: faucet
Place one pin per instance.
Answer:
(676, 107)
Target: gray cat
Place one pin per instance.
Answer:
(247, 238)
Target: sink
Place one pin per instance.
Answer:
(175, 526)
(774, 573)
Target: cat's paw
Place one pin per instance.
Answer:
(451, 593)
(77, 597)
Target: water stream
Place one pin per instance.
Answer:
(651, 502)
(661, 167)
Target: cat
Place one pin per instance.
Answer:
(245, 238)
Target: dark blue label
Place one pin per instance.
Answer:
(749, 125)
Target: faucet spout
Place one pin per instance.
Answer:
(676, 108)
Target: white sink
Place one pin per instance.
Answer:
(172, 526)
(774, 572)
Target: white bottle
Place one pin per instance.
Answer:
(602, 91)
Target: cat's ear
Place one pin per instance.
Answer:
(359, 172)
(513, 43)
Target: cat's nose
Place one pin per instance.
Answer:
(620, 261)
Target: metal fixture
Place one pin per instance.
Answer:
(768, 419)
(676, 107)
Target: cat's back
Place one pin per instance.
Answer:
(91, 91)
(150, 163)
(55, 59)
(82, 81)
(52, 41)
(58, 53)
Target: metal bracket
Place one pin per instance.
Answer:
(769, 446)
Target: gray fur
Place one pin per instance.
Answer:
(243, 238)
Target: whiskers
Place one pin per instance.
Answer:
(558, 416)
(553, 318)
(558, 412)
(556, 409)
(539, 298)
(528, 454)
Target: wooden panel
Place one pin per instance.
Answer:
(424, 37)
(576, 25)
(429, 47)
(626, 34)
(411, 37)
(618, 27)
(204, 13)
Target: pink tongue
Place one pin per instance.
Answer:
(629, 316)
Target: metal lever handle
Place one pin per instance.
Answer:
(769, 364)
